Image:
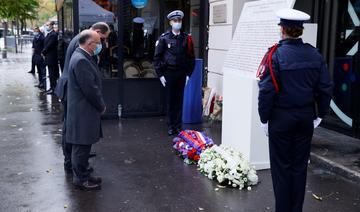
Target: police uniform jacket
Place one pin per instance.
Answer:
(303, 79)
(172, 53)
(38, 46)
(84, 100)
(50, 48)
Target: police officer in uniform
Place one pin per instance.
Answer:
(293, 98)
(174, 62)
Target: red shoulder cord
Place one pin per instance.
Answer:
(191, 52)
(267, 60)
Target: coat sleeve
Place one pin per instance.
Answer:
(159, 62)
(267, 92)
(323, 92)
(50, 44)
(86, 81)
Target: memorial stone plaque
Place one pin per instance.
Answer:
(219, 14)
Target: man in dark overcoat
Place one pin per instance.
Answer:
(85, 105)
(51, 55)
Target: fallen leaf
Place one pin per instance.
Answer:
(13, 125)
(20, 173)
(317, 197)
(201, 209)
(216, 189)
(65, 206)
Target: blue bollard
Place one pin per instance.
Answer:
(192, 107)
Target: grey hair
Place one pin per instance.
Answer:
(102, 26)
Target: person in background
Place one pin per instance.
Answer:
(85, 105)
(174, 61)
(50, 54)
(295, 80)
(37, 59)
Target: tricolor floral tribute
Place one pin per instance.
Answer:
(228, 167)
(189, 144)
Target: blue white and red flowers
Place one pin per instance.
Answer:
(189, 144)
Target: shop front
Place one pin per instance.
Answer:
(338, 40)
(130, 83)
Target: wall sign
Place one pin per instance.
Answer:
(219, 14)
(139, 3)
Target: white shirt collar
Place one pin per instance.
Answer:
(176, 33)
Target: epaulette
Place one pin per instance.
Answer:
(164, 34)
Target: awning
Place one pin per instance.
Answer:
(90, 12)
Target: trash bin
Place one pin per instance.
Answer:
(192, 107)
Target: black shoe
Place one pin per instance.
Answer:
(31, 72)
(92, 154)
(171, 132)
(50, 92)
(88, 186)
(96, 180)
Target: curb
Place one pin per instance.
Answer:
(336, 168)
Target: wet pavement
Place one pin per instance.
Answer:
(139, 169)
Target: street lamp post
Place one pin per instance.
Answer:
(4, 53)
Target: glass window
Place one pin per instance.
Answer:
(345, 114)
(141, 30)
(68, 21)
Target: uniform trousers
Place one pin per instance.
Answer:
(290, 134)
(175, 83)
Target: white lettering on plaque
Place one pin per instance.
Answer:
(257, 30)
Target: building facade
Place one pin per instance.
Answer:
(130, 80)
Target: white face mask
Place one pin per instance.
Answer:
(176, 26)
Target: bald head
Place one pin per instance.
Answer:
(88, 40)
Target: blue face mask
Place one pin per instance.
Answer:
(98, 49)
(36, 33)
(176, 26)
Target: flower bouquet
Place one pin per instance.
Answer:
(189, 144)
(227, 166)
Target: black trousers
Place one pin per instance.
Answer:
(32, 64)
(175, 83)
(66, 147)
(41, 69)
(53, 75)
(80, 162)
(290, 134)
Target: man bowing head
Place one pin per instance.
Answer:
(85, 106)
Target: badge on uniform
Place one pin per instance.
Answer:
(169, 45)
(157, 43)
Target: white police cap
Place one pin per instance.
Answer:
(292, 17)
(177, 14)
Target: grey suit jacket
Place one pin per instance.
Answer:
(84, 100)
